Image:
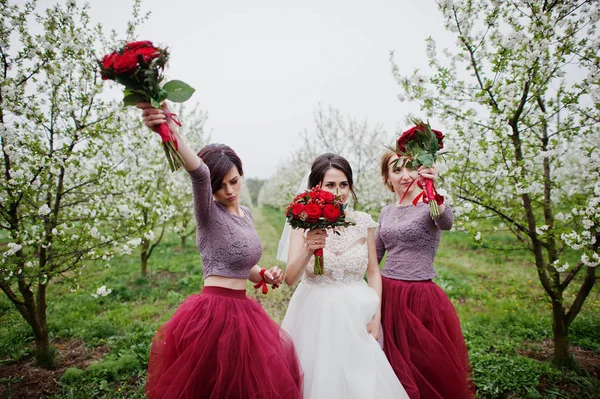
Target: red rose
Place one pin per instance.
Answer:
(313, 212)
(326, 196)
(109, 60)
(126, 62)
(297, 209)
(411, 133)
(137, 45)
(440, 137)
(148, 53)
(331, 212)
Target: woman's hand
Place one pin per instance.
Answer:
(153, 117)
(315, 239)
(428, 173)
(374, 327)
(274, 276)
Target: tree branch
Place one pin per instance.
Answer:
(497, 212)
(582, 294)
(162, 232)
(474, 63)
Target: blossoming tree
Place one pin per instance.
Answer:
(147, 179)
(161, 200)
(359, 143)
(525, 120)
(61, 193)
(180, 189)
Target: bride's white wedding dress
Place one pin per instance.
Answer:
(327, 319)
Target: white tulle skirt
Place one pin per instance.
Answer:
(340, 359)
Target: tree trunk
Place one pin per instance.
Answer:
(561, 335)
(36, 318)
(43, 352)
(144, 255)
(183, 242)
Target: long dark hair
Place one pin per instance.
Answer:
(220, 158)
(326, 161)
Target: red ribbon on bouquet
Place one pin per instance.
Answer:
(165, 132)
(319, 262)
(428, 194)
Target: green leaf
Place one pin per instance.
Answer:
(162, 95)
(178, 91)
(155, 103)
(129, 91)
(133, 99)
(426, 159)
(434, 147)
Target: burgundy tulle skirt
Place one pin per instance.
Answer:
(423, 341)
(221, 344)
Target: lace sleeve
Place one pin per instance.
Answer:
(379, 244)
(371, 224)
(446, 219)
(203, 199)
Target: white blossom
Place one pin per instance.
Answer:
(44, 210)
(101, 291)
(560, 268)
(591, 262)
(149, 235)
(135, 242)
(13, 248)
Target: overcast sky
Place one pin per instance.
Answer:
(261, 67)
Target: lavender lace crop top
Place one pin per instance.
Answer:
(229, 244)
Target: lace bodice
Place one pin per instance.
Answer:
(229, 244)
(411, 238)
(345, 255)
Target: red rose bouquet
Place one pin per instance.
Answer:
(419, 146)
(317, 209)
(139, 67)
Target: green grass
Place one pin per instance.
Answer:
(503, 310)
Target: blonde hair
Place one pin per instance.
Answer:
(386, 159)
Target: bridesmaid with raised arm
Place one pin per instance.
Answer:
(220, 343)
(422, 337)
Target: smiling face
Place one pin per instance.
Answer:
(402, 177)
(229, 193)
(336, 182)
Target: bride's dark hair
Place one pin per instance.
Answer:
(326, 161)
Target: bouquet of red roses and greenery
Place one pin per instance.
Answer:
(317, 209)
(139, 66)
(419, 146)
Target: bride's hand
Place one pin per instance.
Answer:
(374, 327)
(315, 239)
(153, 117)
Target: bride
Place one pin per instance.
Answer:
(334, 318)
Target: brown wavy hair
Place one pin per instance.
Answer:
(386, 159)
(220, 158)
